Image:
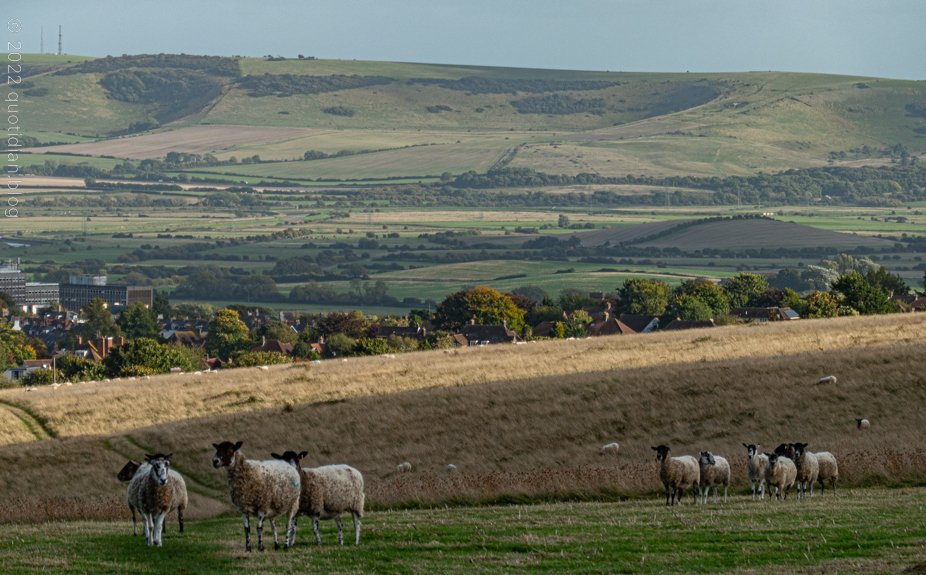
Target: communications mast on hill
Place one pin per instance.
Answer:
(59, 40)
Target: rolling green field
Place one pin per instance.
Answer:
(863, 531)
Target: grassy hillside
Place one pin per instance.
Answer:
(517, 410)
(607, 123)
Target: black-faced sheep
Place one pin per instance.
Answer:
(714, 470)
(327, 492)
(265, 489)
(156, 491)
(755, 469)
(780, 473)
(128, 472)
(862, 424)
(677, 473)
(808, 469)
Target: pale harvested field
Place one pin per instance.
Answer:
(107, 407)
(649, 127)
(195, 139)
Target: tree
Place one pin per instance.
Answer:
(303, 350)
(161, 306)
(137, 321)
(370, 346)
(352, 324)
(571, 299)
(145, 356)
(563, 221)
(708, 292)
(79, 369)
(255, 358)
(521, 302)
(482, 303)
(861, 295)
(886, 281)
(643, 296)
(820, 304)
(688, 308)
(535, 293)
(745, 289)
(771, 298)
(277, 330)
(339, 345)
(7, 301)
(97, 319)
(41, 377)
(227, 334)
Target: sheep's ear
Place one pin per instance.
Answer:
(746, 446)
(148, 457)
(216, 445)
(276, 456)
(654, 448)
(238, 445)
(169, 456)
(303, 454)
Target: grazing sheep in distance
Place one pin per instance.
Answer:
(263, 368)
(403, 467)
(714, 470)
(808, 469)
(451, 468)
(825, 380)
(609, 448)
(829, 470)
(862, 424)
(266, 489)
(677, 473)
(155, 492)
(780, 473)
(327, 492)
(128, 472)
(755, 469)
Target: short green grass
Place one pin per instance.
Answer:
(863, 531)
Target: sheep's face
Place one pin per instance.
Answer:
(224, 453)
(772, 459)
(707, 458)
(160, 466)
(799, 449)
(785, 449)
(129, 471)
(751, 450)
(290, 457)
(662, 452)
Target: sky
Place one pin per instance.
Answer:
(882, 38)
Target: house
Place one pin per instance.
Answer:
(640, 323)
(488, 334)
(271, 346)
(762, 314)
(413, 332)
(543, 329)
(96, 349)
(678, 324)
(27, 366)
(608, 326)
(186, 338)
(908, 302)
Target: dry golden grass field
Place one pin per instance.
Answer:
(520, 421)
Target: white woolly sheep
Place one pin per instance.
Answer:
(156, 491)
(265, 489)
(862, 424)
(780, 474)
(829, 470)
(128, 472)
(714, 470)
(327, 492)
(808, 469)
(451, 468)
(609, 448)
(677, 473)
(825, 380)
(755, 469)
(403, 467)
(263, 368)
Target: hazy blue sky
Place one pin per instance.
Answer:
(864, 37)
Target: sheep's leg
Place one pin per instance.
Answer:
(356, 527)
(811, 489)
(724, 493)
(180, 518)
(134, 524)
(752, 487)
(693, 493)
(260, 532)
(761, 490)
(834, 487)
(318, 538)
(273, 527)
(337, 521)
(159, 529)
(667, 496)
(247, 532)
(715, 494)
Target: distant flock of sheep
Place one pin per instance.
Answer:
(279, 486)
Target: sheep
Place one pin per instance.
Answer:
(327, 492)
(451, 468)
(755, 469)
(829, 470)
(825, 380)
(403, 467)
(609, 448)
(156, 491)
(128, 472)
(786, 450)
(808, 469)
(263, 368)
(677, 473)
(266, 489)
(714, 470)
(780, 473)
(862, 424)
